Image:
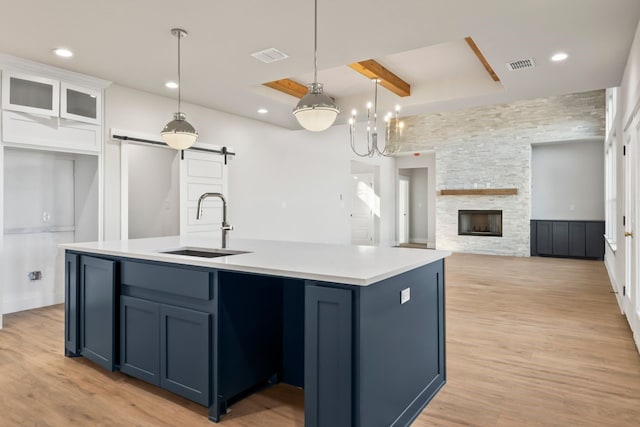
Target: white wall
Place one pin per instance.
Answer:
(154, 192)
(283, 184)
(2, 149)
(567, 181)
(428, 161)
(626, 124)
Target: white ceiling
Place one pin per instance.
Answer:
(129, 43)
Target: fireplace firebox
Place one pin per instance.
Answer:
(480, 223)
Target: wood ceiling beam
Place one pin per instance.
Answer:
(288, 86)
(374, 70)
(483, 60)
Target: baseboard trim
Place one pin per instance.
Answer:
(614, 284)
(420, 241)
(21, 304)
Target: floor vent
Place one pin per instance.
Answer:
(270, 55)
(521, 64)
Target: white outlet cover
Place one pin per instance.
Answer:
(405, 295)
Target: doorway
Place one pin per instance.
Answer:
(413, 207)
(403, 209)
(365, 203)
(631, 258)
(49, 198)
(362, 214)
(160, 188)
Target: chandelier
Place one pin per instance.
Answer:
(393, 129)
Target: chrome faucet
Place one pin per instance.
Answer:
(225, 227)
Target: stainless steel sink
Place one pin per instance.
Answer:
(203, 253)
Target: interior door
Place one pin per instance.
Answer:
(362, 220)
(202, 172)
(629, 223)
(403, 210)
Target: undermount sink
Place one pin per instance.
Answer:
(203, 253)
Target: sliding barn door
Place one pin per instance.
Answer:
(202, 172)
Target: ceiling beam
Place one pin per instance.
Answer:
(483, 60)
(289, 87)
(374, 70)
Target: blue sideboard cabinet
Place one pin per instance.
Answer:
(363, 357)
(568, 239)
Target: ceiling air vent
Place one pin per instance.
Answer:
(522, 64)
(270, 55)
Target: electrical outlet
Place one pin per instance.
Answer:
(405, 295)
(35, 275)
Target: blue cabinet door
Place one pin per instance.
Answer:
(594, 239)
(328, 357)
(71, 314)
(577, 242)
(140, 339)
(185, 356)
(544, 239)
(560, 238)
(97, 310)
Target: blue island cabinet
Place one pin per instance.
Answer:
(366, 356)
(166, 346)
(90, 291)
(373, 358)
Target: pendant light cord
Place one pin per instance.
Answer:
(179, 82)
(315, 43)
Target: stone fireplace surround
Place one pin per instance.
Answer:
(490, 147)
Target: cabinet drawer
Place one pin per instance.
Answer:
(174, 280)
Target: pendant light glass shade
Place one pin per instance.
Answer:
(316, 111)
(178, 133)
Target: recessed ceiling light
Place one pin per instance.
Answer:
(560, 56)
(171, 85)
(62, 52)
(263, 111)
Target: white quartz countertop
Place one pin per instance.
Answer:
(352, 265)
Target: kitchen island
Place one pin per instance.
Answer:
(360, 328)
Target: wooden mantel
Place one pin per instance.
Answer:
(480, 192)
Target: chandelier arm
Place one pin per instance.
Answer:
(392, 137)
(352, 138)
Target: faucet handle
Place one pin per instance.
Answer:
(226, 227)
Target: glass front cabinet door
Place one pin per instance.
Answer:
(80, 104)
(30, 94)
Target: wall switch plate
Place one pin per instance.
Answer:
(405, 295)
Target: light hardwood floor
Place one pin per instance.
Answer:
(530, 342)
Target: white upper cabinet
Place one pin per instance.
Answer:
(80, 104)
(49, 97)
(30, 94)
(49, 108)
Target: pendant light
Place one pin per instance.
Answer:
(316, 111)
(179, 133)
